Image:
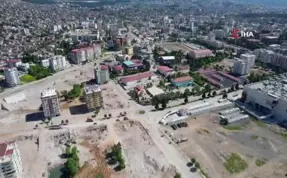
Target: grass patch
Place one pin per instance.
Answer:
(230, 127)
(201, 131)
(259, 123)
(259, 162)
(284, 135)
(27, 79)
(99, 175)
(235, 164)
(254, 137)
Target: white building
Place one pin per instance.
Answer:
(50, 103)
(272, 58)
(268, 97)
(58, 63)
(12, 76)
(45, 63)
(102, 74)
(219, 33)
(78, 56)
(243, 65)
(83, 54)
(10, 161)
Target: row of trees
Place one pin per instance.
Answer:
(206, 61)
(72, 164)
(74, 93)
(254, 77)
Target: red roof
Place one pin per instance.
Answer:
(164, 69)
(136, 61)
(9, 152)
(104, 67)
(139, 88)
(118, 67)
(13, 60)
(136, 77)
(3, 147)
(182, 79)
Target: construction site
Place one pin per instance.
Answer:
(245, 148)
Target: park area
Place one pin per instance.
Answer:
(248, 148)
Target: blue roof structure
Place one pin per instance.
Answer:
(128, 63)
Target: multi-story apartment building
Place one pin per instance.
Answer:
(89, 52)
(83, 54)
(93, 97)
(50, 103)
(58, 63)
(102, 74)
(10, 161)
(78, 56)
(271, 58)
(243, 65)
(12, 76)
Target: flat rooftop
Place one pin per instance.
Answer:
(275, 86)
(88, 89)
(49, 92)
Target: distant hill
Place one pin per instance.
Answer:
(273, 3)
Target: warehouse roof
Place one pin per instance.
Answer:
(182, 79)
(164, 69)
(138, 76)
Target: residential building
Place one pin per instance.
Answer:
(58, 63)
(14, 63)
(200, 53)
(78, 56)
(271, 58)
(12, 76)
(128, 50)
(102, 74)
(89, 53)
(10, 161)
(50, 103)
(182, 81)
(45, 63)
(219, 33)
(93, 97)
(165, 71)
(268, 98)
(132, 64)
(243, 65)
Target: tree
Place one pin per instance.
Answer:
(209, 94)
(36, 126)
(71, 166)
(186, 92)
(186, 100)
(68, 151)
(163, 104)
(177, 175)
(214, 93)
(110, 115)
(197, 165)
(62, 122)
(224, 95)
(39, 72)
(105, 116)
(237, 86)
(223, 122)
(67, 121)
(232, 88)
(203, 95)
(156, 107)
(207, 88)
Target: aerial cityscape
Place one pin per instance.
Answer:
(143, 89)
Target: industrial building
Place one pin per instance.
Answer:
(50, 103)
(200, 53)
(12, 76)
(133, 80)
(243, 65)
(102, 74)
(267, 98)
(182, 81)
(166, 60)
(10, 160)
(93, 97)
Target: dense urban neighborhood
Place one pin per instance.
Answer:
(143, 89)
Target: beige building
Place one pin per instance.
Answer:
(93, 97)
(50, 103)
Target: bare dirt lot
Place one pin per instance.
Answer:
(211, 145)
(144, 159)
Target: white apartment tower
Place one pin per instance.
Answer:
(102, 74)
(12, 76)
(50, 103)
(10, 161)
(243, 65)
(58, 63)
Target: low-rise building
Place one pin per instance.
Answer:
(166, 60)
(165, 71)
(50, 103)
(200, 53)
(133, 80)
(10, 160)
(93, 97)
(182, 81)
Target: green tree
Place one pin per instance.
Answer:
(186, 100)
(204, 95)
(68, 151)
(214, 93)
(186, 92)
(177, 175)
(71, 166)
